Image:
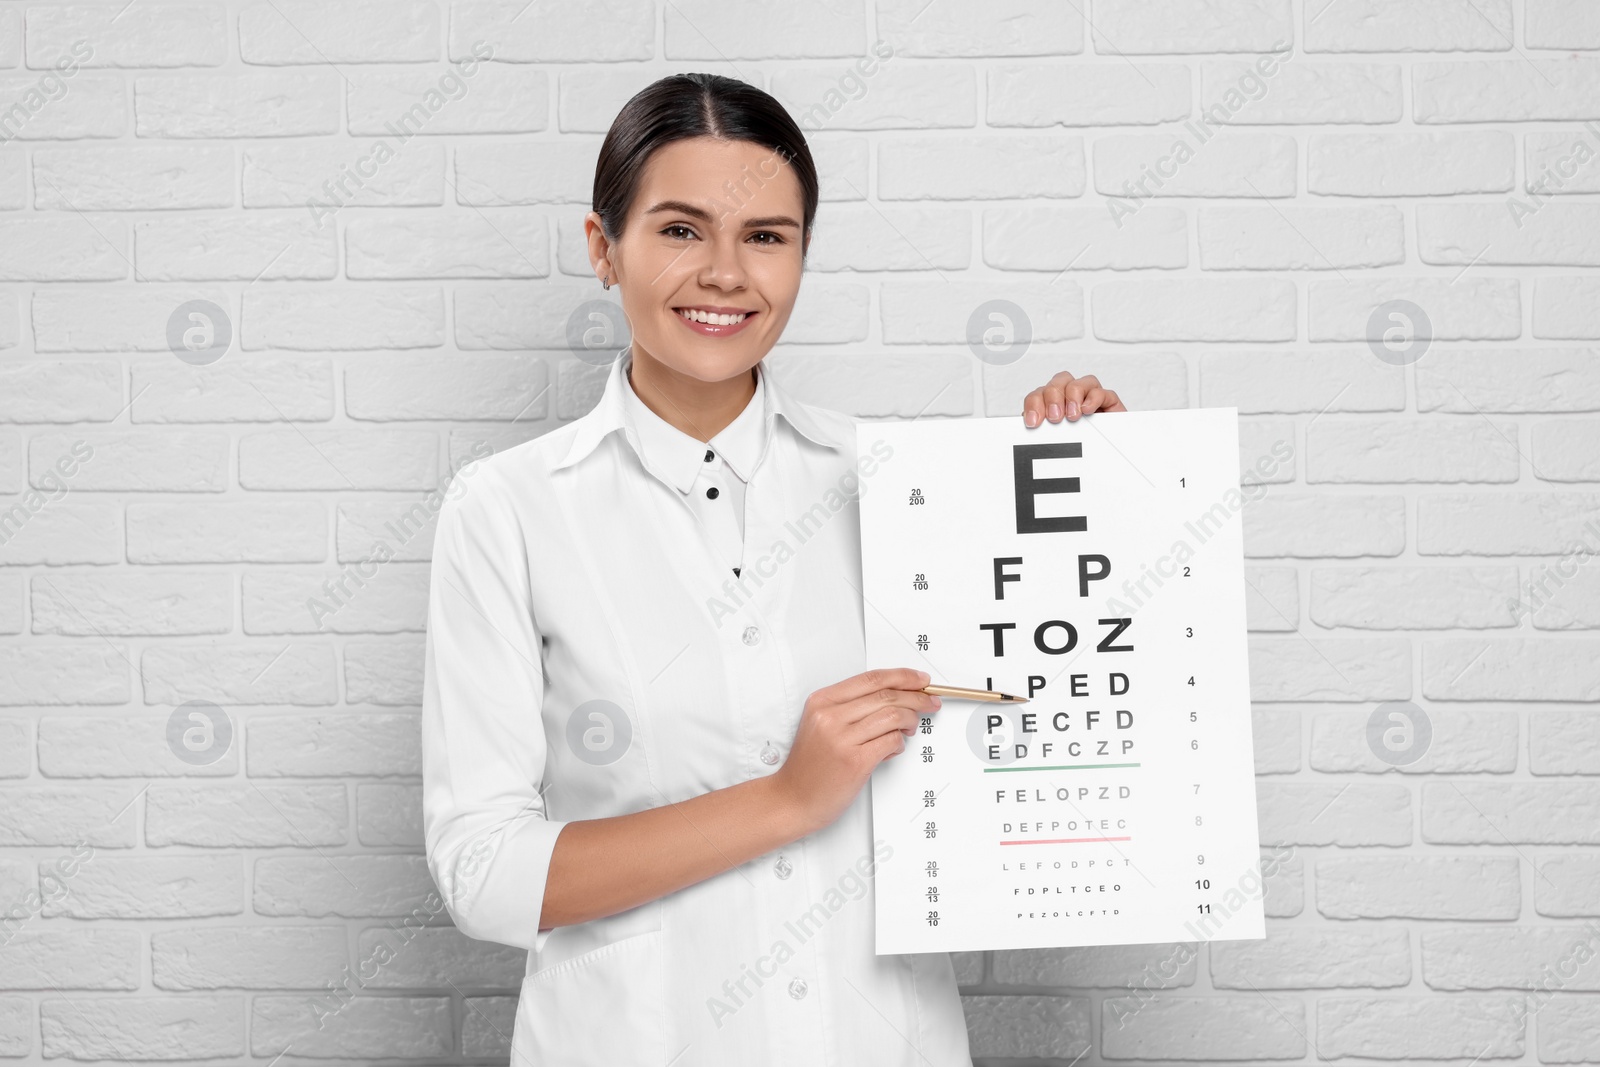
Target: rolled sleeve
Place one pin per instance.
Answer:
(486, 833)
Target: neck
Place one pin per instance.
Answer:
(700, 409)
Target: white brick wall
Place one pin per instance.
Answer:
(1182, 205)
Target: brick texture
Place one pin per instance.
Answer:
(1204, 202)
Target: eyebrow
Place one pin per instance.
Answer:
(686, 208)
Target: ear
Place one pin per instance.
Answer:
(599, 247)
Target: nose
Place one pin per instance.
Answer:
(724, 267)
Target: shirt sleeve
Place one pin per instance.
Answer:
(487, 838)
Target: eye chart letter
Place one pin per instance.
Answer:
(1096, 568)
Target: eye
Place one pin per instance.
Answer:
(677, 226)
(776, 239)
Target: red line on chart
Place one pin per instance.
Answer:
(1064, 840)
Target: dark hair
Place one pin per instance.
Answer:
(695, 105)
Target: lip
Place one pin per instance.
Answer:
(706, 329)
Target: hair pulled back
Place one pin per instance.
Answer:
(681, 106)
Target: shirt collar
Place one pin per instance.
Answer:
(619, 409)
(680, 456)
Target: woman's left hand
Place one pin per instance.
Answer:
(1068, 396)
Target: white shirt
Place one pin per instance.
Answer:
(589, 653)
(713, 475)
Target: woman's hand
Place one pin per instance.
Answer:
(1069, 396)
(845, 731)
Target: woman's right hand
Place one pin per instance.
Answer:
(845, 731)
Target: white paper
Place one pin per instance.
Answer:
(1129, 816)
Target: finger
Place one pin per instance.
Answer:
(860, 685)
(901, 721)
(889, 703)
(1074, 394)
(887, 747)
(1032, 410)
(1036, 405)
(1055, 402)
(1101, 400)
(1052, 399)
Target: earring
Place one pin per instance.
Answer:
(606, 284)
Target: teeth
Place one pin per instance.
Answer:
(710, 319)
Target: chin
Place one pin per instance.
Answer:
(709, 361)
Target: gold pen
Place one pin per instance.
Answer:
(972, 694)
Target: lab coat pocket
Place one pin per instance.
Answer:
(605, 1007)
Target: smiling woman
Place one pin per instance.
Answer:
(702, 214)
(660, 801)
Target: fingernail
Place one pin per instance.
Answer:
(1072, 409)
(1030, 418)
(1055, 411)
(938, 703)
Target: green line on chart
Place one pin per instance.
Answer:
(1060, 767)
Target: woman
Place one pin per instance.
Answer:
(647, 718)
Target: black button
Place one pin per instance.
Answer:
(710, 455)
(736, 572)
(711, 494)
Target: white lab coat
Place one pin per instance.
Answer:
(590, 653)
